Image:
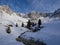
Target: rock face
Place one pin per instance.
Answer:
(44, 14)
(33, 15)
(30, 41)
(6, 9)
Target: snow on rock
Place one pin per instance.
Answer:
(49, 34)
(6, 9)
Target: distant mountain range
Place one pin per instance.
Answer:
(56, 13)
(36, 15)
(31, 15)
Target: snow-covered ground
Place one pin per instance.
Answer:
(50, 34)
(10, 39)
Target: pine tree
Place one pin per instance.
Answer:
(22, 25)
(39, 23)
(28, 24)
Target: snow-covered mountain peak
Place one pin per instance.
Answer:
(6, 14)
(6, 9)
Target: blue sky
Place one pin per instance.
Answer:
(32, 5)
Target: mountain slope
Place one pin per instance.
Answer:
(7, 18)
(13, 17)
(56, 13)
